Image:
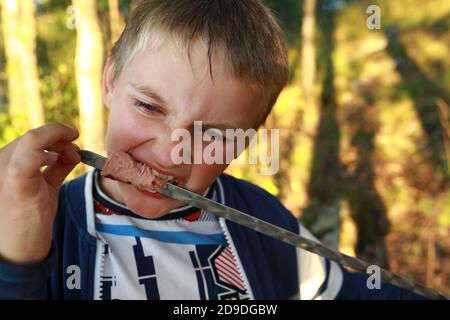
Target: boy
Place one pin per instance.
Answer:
(221, 62)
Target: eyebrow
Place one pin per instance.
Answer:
(149, 92)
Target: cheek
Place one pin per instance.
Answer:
(119, 133)
(126, 129)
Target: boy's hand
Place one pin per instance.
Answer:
(28, 194)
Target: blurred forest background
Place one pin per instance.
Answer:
(364, 122)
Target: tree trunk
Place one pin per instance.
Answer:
(309, 52)
(29, 63)
(19, 31)
(310, 117)
(116, 20)
(311, 113)
(89, 65)
(10, 23)
(321, 215)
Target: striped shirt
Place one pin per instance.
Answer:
(183, 255)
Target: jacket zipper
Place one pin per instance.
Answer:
(99, 266)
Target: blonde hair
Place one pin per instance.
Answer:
(244, 33)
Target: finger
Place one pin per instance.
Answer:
(68, 152)
(44, 137)
(28, 164)
(56, 173)
(69, 158)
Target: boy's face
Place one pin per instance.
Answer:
(180, 93)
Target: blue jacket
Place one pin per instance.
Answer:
(274, 270)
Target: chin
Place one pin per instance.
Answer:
(147, 212)
(147, 208)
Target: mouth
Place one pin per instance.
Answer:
(162, 179)
(152, 193)
(125, 168)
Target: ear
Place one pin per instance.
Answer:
(107, 82)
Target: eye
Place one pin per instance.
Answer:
(149, 108)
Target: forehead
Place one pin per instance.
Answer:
(188, 88)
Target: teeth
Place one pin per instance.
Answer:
(162, 176)
(165, 177)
